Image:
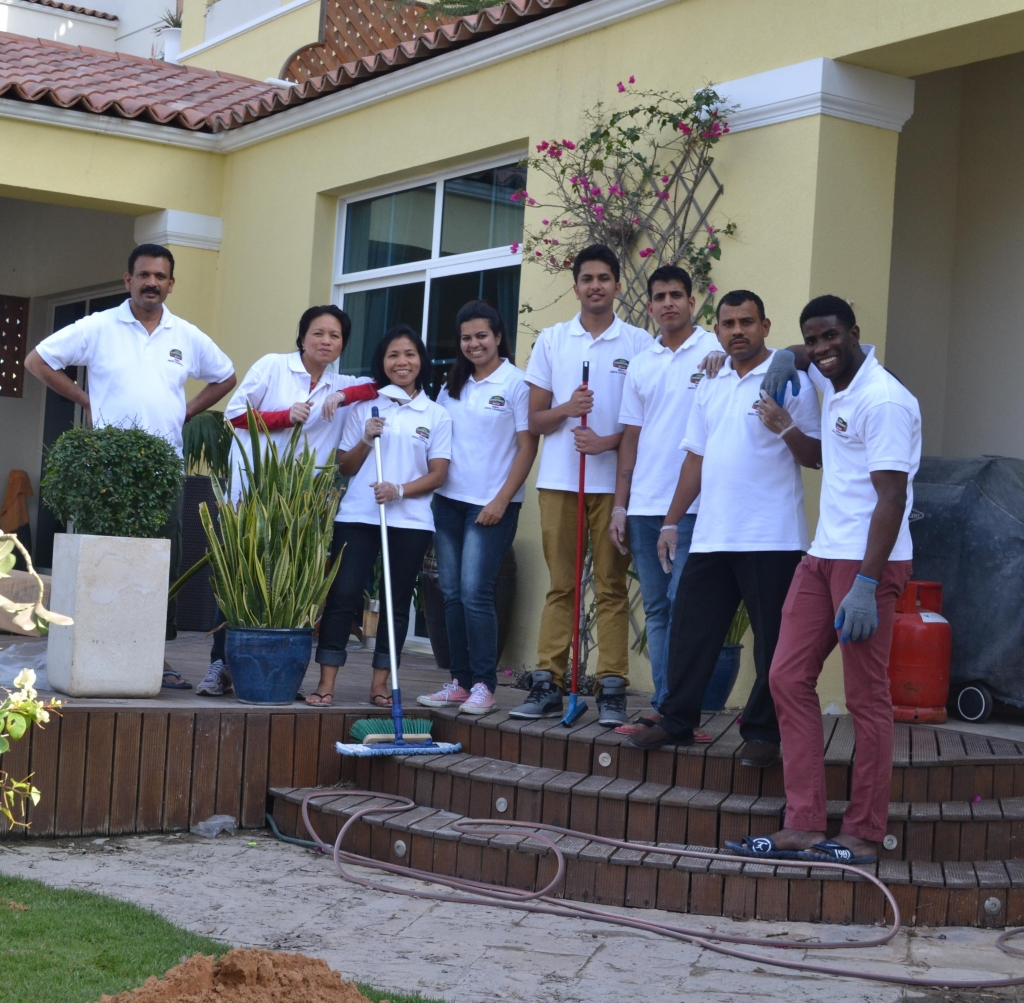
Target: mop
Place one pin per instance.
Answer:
(376, 736)
(577, 707)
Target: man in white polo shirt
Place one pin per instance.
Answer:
(557, 400)
(138, 356)
(661, 385)
(846, 588)
(744, 455)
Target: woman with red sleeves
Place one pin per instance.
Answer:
(296, 388)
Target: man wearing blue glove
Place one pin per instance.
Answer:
(846, 588)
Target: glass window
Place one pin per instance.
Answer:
(373, 312)
(498, 286)
(479, 212)
(390, 230)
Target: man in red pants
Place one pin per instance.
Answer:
(847, 586)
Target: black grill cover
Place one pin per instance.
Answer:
(968, 531)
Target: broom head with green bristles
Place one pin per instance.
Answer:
(372, 730)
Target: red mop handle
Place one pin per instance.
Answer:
(580, 542)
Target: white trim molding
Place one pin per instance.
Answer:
(819, 87)
(241, 29)
(186, 229)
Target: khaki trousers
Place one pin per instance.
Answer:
(558, 534)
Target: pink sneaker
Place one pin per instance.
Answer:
(449, 694)
(481, 700)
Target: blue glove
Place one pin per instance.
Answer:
(858, 612)
(781, 370)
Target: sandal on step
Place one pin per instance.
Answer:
(380, 700)
(320, 699)
(634, 726)
(832, 852)
(176, 681)
(762, 848)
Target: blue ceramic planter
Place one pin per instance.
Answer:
(723, 679)
(267, 665)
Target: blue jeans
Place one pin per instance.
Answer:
(468, 559)
(658, 589)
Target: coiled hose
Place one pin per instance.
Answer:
(542, 901)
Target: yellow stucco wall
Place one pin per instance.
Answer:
(261, 52)
(812, 198)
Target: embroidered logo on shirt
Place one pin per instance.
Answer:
(423, 432)
(497, 401)
(620, 366)
(175, 355)
(695, 379)
(841, 426)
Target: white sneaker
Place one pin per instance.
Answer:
(217, 681)
(481, 700)
(449, 694)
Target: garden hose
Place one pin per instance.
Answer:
(542, 901)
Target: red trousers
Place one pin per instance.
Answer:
(807, 636)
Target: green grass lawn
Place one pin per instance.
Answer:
(72, 947)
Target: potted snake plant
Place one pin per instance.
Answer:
(269, 564)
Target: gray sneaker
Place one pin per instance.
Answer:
(545, 699)
(217, 681)
(611, 701)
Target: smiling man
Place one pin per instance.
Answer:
(557, 401)
(743, 457)
(138, 356)
(846, 588)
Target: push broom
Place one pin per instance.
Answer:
(577, 707)
(399, 736)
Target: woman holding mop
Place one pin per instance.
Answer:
(415, 441)
(477, 507)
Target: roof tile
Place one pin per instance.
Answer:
(72, 9)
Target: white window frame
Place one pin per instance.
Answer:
(435, 266)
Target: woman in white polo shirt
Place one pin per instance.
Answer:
(477, 508)
(285, 390)
(416, 445)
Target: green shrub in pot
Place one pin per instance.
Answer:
(112, 481)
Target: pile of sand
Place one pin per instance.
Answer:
(246, 976)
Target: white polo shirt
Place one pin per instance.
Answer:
(556, 364)
(752, 496)
(275, 383)
(486, 420)
(414, 434)
(661, 386)
(874, 424)
(137, 378)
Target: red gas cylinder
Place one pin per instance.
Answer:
(922, 642)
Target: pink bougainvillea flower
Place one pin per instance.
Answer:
(664, 179)
(568, 144)
(662, 195)
(712, 289)
(595, 191)
(539, 254)
(533, 201)
(646, 252)
(685, 129)
(541, 147)
(632, 80)
(636, 219)
(711, 229)
(711, 247)
(545, 222)
(514, 248)
(574, 180)
(621, 87)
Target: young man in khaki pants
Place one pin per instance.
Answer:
(557, 401)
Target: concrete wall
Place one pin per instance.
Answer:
(956, 306)
(46, 251)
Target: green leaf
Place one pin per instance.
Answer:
(16, 724)
(4, 744)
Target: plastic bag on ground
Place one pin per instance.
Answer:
(215, 824)
(23, 654)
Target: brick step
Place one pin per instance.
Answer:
(481, 787)
(983, 893)
(929, 764)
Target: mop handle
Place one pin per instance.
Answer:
(386, 567)
(580, 510)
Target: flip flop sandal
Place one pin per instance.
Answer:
(322, 700)
(176, 683)
(635, 726)
(379, 700)
(700, 736)
(832, 852)
(761, 848)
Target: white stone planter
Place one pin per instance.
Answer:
(115, 589)
(171, 38)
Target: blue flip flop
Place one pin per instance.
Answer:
(831, 852)
(761, 848)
